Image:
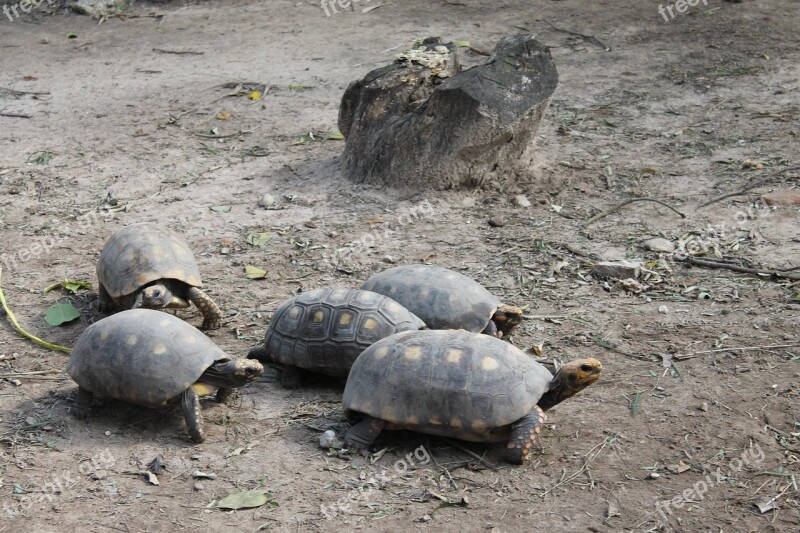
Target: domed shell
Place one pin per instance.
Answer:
(141, 253)
(141, 356)
(450, 383)
(442, 298)
(324, 330)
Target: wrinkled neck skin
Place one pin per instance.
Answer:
(222, 374)
(560, 390)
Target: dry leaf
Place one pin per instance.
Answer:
(223, 116)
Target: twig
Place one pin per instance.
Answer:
(751, 186)
(586, 462)
(237, 134)
(178, 52)
(21, 331)
(590, 38)
(740, 349)
(14, 92)
(470, 453)
(34, 373)
(710, 263)
(15, 115)
(626, 202)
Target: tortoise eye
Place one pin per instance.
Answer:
(587, 368)
(156, 293)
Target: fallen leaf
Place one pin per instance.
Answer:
(157, 465)
(72, 36)
(58, 314)
(246, 500)
(300, 87)
(377, 219)
(462, 44)
(766, 505)
(258, 239)
(336, 135)
(29, 78)
(223, 116)
(151, 477)
(370, 8)
(221, 208)
(197, 474)
(69, 285)
(254, 96)
(254, 272)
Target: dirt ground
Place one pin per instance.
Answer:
(120, 130)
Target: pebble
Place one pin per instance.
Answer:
(468, 202)
(663, 309)
(522, 201)
(198, 486)
(497, 222)
(388, 259)
(658, 244)
(267, 200)
(329, 439)
(654, 475)
(16, 382)
(786, 197)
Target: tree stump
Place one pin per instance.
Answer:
(422, 123)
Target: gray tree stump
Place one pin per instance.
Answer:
(421, 123)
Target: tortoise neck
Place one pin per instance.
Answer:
(559, 391)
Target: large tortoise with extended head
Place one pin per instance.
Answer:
(149, 266)
(445, 299)
(324, 330)
(149, 358)
(457, 384)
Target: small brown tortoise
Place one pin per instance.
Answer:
(445, 299)
(149, 358)
(324, 330)
(457, 384)
(149, 266)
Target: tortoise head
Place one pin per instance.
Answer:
(570, 379)
(506, 318)
(232, 373)
(155, 296)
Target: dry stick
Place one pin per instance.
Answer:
(591, 38)
(586, 462)
(751, 186)
(34, 373)
(471, 453)
(178, 52)
(15, 115)
(741, 349)
(710, 263)
(626, 202)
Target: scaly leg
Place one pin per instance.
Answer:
(212, 315)
(190, 405)
(83, 404)
(363, 434)
(104, 304)
(524, 433)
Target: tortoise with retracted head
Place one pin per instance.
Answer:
(148, 266)
(457, 384)
(445, 299)
(324, 330)
(153, 359)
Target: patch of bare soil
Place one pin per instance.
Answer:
(130, 120)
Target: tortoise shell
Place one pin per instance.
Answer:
(324, 330)
(142, 253)
(442, 298)
(141, 356)
(449, 383)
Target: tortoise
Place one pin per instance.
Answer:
(149, 358)
(149, 266)
(457, 384)
(324, 330)
(445, 299)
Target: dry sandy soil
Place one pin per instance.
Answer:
(673, 110)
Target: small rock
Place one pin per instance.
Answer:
(522, 201)
(663, 309)
(388, 259)
(310, 224)
(785, 197)
(469, 201)
(16, 382)
(654, 475)
(329, 439)
(107, 433)
(225, 250)
(197, 474)
(704, 407)
(199, 486)
(658, 244)
(621, 270)
(497, 222)
(266, 201)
